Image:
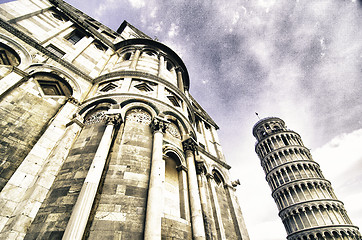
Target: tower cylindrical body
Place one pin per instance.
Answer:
(307, 205)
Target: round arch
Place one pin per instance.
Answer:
(88, 106)
(169, 149)
(131, 104)
(25, 57)
(44, 68)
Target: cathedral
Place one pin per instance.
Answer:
(101, 139)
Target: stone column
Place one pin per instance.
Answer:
(236, 211)
(81, 211)
(198, 229)
(157, 179)
(161, 65)
(135, 58)
(206, 206)
(219, 224)
(180, 83)
(185, 207)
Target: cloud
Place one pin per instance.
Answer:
(137, 3)
(341, 162)
(299, 60)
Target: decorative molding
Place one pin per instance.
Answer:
(173, 130)
(139, 115)
(76, 119)
(96, 117)
(224, 164)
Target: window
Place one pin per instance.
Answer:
(169, 66)
(4, 58)
(174, 100)
(8, 56)
(143, 87)
(127, 56)
(53, 85)
(56, 51)
(75, 37)
(108, 87)
(217, 177)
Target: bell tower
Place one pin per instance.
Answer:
(306, 201)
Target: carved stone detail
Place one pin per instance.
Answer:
(114, 119)
(139, 115)
(235, 183)
(159, 124)
(96, 117)
(189, 144)
(200, 167)
(173, 130)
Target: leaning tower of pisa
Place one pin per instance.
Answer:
(306, 201)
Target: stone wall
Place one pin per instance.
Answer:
(53, 215)
(23, 110)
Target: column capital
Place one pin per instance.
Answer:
(159, 124)
(179, 69)
(189, 144)
(113, 119)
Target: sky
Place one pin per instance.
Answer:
(297, 60)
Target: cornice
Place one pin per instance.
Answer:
(215, 159)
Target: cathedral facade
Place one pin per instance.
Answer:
(100, 137)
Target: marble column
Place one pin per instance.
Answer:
(81, 211)
(161, 65)
(185, 207)
(157, 178)
(198, 229)
(219, 223)
(135, 58)
(180, 83)
(205, 201)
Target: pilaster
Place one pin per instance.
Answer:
(198, 228)
(157, 178)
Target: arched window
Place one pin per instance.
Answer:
(127, 56)
(53, 85)
(8, 56)
(217, 177)
(169, 66)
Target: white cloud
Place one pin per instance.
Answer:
(173, 30)
(341, 163)
(137, 3)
